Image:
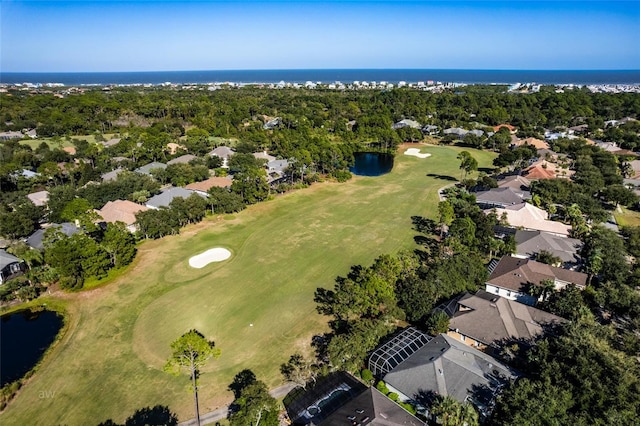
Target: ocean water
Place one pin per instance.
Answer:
(330, 76)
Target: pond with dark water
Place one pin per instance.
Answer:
(24, 337)
(371, 164)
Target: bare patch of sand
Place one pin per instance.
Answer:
(416, 153)
(217, 254)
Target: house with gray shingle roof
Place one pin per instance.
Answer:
(264, 156)
(10, 266)
(165, 197)
(147, 168)
(183, 159)
(406, 123)
(223, 152)
(484, 320)
(112, 175)
(447, 367)
(111, 142)
(514, 278)
(498, 197)
(530, 243)
(35, 240)
(455, 131)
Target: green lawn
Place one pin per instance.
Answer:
(109, 363)
(63, 142)
(627, 217)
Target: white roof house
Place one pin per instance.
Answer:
(528, 216)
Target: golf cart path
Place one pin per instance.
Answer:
(221, 413)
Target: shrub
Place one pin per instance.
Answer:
(382, 387)
(341, 175)
(367, 375)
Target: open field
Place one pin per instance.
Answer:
(64, 142)
(109, 363)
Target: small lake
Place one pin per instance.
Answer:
(371, 164)
(24, 337)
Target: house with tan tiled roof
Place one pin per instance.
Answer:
(206, 185)
(121, 211)
(537, 143)
(514, 278)
(538, 172)
(39, 198)
(528, 216)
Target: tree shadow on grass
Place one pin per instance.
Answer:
(160, 415)
(442, 177)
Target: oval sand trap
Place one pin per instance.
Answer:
(217, 254)
(416, 153)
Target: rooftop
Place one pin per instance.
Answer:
(121, 211)
(518, 274)
(205, 185)
(445, 366)
(491, 319)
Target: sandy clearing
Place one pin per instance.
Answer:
(217, 254)
(416, 153)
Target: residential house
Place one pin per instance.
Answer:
(27, 174)
(539, 172)
(205, 185)
(272, 124)
(528, 216)
(183, 159)
(530, 243)
(498, 197)
(264, 156)
(10, 267)
(515, 279)
(112, 175)
(35, 240)
(459, 132)
(447, 367)
(406, 123)
(111, 142)
(165, 197)
(7, 136)
(486, 321)
(147, 168)
(519, 184)
(39, 198)
(476, 132)
(276, 169)
(537, 143)
(223, 152)
(121, 211)
(430, 129)
(340, 399)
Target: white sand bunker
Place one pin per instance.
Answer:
(217, 254)
(416, 153)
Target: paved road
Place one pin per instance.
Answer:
(221, 413)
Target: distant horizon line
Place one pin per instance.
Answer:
(334, 69)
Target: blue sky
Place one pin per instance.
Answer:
(52, 36)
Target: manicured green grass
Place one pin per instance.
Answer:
(109, 363)
(627, 217)
(63, 142)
